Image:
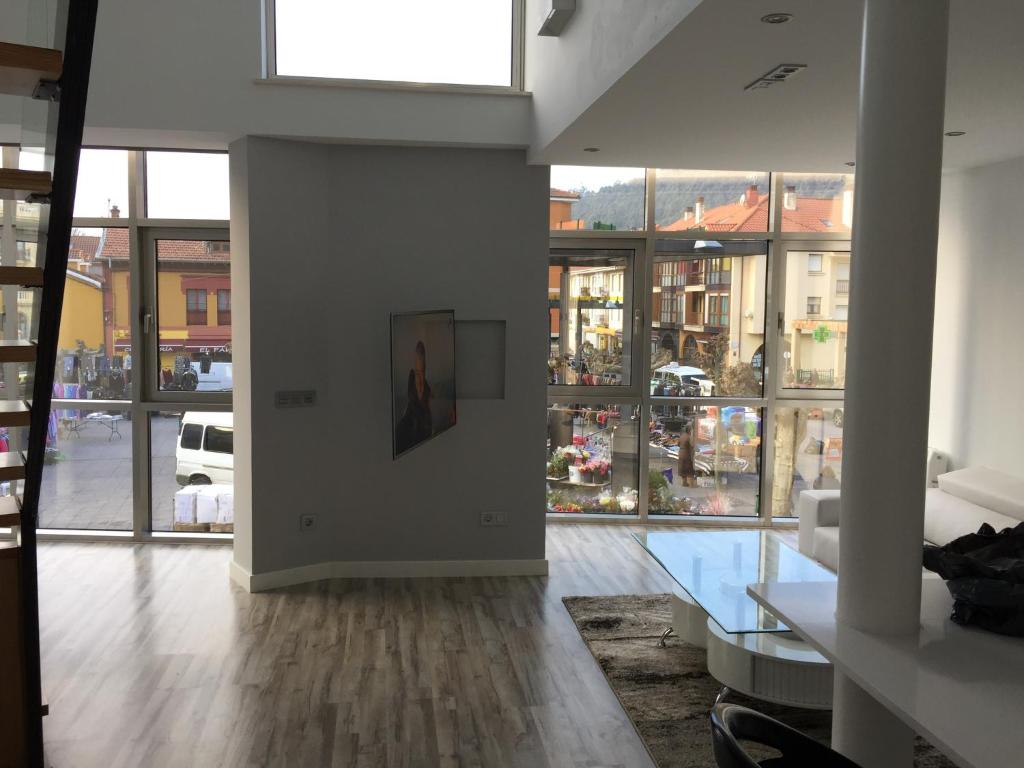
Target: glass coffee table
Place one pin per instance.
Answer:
(749, 649)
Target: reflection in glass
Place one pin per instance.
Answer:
(704, 460)
(808, 454)
(587, 197)
(593, 459)
(194, 332)
(815, 326)
(708, 320)
(87, 481)
(589, 295)
(711, 201)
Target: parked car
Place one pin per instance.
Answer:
(205, 448)
(675, 380)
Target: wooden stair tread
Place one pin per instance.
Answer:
(12, 466)
(10, 511)
(14, 413)
(18, 184)
(28, 277)
(23, 66)
(17, 351)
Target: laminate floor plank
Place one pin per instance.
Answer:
(151, 657)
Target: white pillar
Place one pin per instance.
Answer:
(892, 299)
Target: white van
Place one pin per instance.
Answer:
(675, 380)
(205, 450)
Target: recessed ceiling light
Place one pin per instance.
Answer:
(850, 163)
(955, 133)
(776, 18)
(591, 149)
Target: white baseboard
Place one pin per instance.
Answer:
(384, 569)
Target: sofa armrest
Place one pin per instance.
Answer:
(815, 509)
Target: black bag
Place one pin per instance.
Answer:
(984, 572)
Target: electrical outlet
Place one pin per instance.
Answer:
(493, 519)
(307, 522)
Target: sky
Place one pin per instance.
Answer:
(441, 41)
(181, 185)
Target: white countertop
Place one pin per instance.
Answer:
(962, 689)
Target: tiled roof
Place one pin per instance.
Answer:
(115, 248)
(563, 194)
(812, 214)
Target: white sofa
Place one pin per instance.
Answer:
(963, 501)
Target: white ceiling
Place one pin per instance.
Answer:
(683, 104)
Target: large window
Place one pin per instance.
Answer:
(467, 42)
(742, 313)
(147, 310)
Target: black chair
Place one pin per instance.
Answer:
(731, 723)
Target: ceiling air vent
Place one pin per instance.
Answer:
(779, 74)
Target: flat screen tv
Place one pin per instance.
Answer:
(422, 377)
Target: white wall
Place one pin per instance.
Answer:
(977, 401)
(603, 41)
(182, 75)
(375, 230)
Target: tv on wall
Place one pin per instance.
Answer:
(422, 377)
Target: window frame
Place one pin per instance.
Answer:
(268, 63)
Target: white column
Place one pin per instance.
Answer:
(892, 298)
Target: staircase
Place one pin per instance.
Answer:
(52, 79)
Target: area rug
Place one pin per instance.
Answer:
(667, 692)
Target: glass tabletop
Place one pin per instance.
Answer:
(715, 567)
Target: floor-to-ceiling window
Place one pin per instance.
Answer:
(144, 351)
(710, 386)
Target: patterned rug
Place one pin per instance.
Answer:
(668, 692)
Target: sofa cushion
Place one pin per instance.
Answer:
(826, 546)
(987, 487)
(948, 517)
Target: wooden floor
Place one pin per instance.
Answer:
(151, 657)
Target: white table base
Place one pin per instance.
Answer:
(771, 666)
